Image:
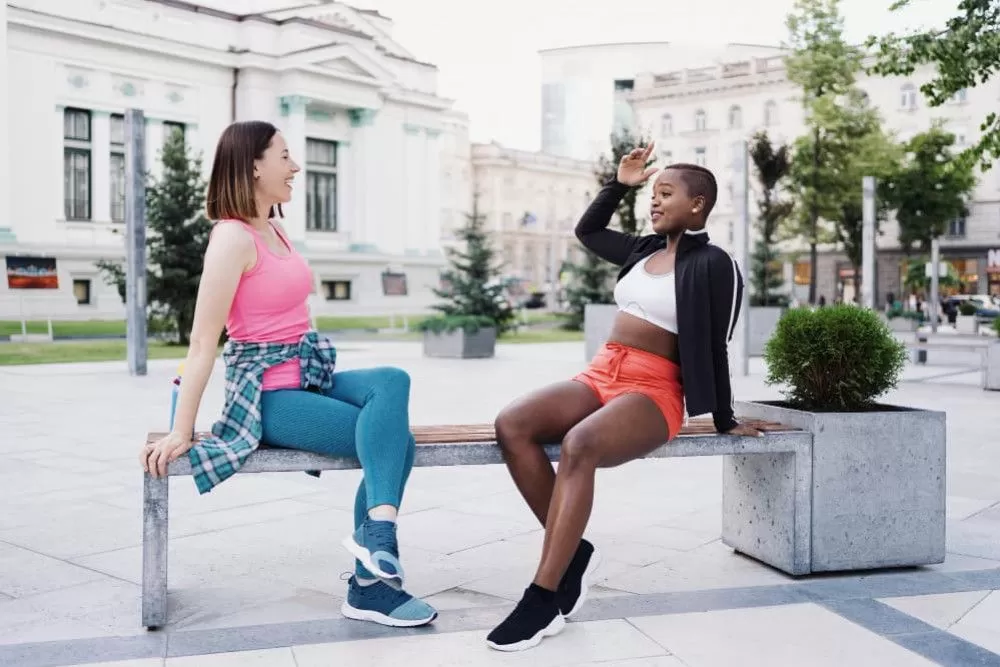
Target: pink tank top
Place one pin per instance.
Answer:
(270, 305)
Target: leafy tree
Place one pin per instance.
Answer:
(177, 237)
(474, 293)
(591, 281)
(772, 167)
(965, 53)
(824, 66)
(930, 189)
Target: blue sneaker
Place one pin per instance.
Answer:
(382, 603)
(374, 544)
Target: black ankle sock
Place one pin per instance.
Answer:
(544, 594)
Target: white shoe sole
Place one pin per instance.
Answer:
(365, 557)
(552, 629)
(595, 562)
(380, 618)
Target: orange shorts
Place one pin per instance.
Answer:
(618, 369)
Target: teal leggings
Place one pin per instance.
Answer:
(365, 414)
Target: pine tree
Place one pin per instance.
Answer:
(592, 281)
(473, 293)
(177, 238)
(772, 166)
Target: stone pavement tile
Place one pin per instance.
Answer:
(446, 531)
(942, 611)
(981, 625)
(84, 528)
(972, 483)
(274, 657)
(463, 598)
(977, 536)
(577, 644)
(797, 634)
(24, 573)
(713, 565)
(79, 461)
(107, 607)
(192, 524)
(247, 601)
(960, 507)
(141, 662)
(658, 661)
(960, 563)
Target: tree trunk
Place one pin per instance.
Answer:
(814, 219)
(813, 258)
(857, 283)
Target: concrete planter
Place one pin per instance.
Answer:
(991, 371)
(461, 345)
(903, 324)
(878, 487)
(763, 322)
(598, 319)
(966, 324)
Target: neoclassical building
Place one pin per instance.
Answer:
(359, 112)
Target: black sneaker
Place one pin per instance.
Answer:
(573, 587)
(535, 616)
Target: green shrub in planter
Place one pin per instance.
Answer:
(967, 308)
(834, 359)
(470, 324)
(996, 325)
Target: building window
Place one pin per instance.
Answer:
(117, 168)
(169, 128)
(76, 163)
(700, 121)
(960, 96)
(81, 290)
(735, 117)
(666, 125)
(770, 114)
(908, 97)
(699, 157)
(802, 273)
(956, 227)
(321, 185)
(667, 157)
(337, 290)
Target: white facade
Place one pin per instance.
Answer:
(532, 202)
(321, 71)
(699, 114)
(585, 88)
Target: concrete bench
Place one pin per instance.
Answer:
(460, 445)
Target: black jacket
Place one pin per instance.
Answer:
(709, 295)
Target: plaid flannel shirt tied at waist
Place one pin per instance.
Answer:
(238, 432)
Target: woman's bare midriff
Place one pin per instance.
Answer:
(638, 333)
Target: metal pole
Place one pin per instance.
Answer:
(135, 240)
(868, 278)
(932, 309)
(742, 239)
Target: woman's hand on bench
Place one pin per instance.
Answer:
(745, 429)
(155, 457)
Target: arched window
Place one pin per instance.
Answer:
(735, 117)
(699, 120)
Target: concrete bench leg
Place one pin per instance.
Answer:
(155, 513)
(767, 508)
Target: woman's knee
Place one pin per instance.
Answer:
(580, 448)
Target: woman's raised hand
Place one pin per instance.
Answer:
(632, 169)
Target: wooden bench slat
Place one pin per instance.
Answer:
(443, 434)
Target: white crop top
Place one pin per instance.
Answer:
(648, 296)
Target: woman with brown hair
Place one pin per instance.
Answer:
(280, 382)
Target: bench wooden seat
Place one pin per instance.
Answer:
(475, 444)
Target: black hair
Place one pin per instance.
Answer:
(699, 182)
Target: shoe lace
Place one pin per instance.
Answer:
(383, 537)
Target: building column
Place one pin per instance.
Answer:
(100, 165)
(192, 139)
(431, 225)
(346, 175)
(293, 128)
(365, 167)
(415, 177)
(154, 145)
